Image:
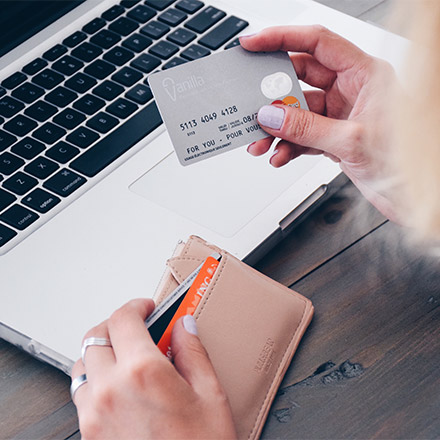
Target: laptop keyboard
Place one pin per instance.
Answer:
(70, 113)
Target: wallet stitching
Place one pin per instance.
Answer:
(278, 368)
(208, 294)
(179, 274)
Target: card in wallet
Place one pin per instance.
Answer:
(250, 326)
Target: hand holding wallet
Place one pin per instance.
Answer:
(250, 326)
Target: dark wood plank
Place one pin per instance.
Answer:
(368, 365)
(340, 221)
(34, 398)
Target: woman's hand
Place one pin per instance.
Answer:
(134, 392)
(347, 117)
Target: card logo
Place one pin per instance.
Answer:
(276, 85)
(175, 89)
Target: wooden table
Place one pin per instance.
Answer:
(368, 366)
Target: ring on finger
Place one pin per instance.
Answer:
(101, 342)
(77, 383)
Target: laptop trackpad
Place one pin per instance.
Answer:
(222, 193)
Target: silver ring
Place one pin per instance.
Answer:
(102, 342)
(76, 383)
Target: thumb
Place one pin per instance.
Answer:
(190, 357)
(309, 129)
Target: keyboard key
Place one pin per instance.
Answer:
(19, 217)
(35, 66)
(172, 17)
(41, 201)
(9, 163)
(100, 69)
(127, 76)
(113, 12)
(119, 56)
(49, 133)
(108, 90)
(89, 104)
(223, 32)
(64, 183)
(83, 137)
(6, 140)
(69, 118)
(81, 83)
(205, 19)
(28, 92)
(62, 152)
(61, 97)
(233, 43)
(48, 79)
(55, 52)
(2, 91)
(122, 108)
(102, 122)
(124, 26)
(6, 235)
(28, 148)
(10, 107)
(194, 52)
(174, 62)
(189, 6)
(67, 65)
(87, 52)
(41, 168)
(164, 49)
(75, 39)
(118, 142)
(6, 199)
(105, 39)
(140, 94)
(181, 36)
(20, 125)
(155, 30)
(141, 13)
(41, 111)
(146, 63)
(137, 42)
(20, 183)
(160, 5)
(129, 3)
(94, 26)
(14, 80)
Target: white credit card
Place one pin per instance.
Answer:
(210, 105)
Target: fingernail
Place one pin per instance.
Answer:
(190, 324)
(275, 152)
(248, 35)
(271, 116)
(249, 148)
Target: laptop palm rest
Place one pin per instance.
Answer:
(202, 192)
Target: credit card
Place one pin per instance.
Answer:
(158, 321)
(190, 301)
(209, 106)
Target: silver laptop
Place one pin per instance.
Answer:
(92, 198)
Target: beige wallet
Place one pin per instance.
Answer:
(250, 325)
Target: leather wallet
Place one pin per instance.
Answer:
(249, 324)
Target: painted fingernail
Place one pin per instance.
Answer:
(271, 116)
(248, 35)
(190, 324)
(275, 152)
(249, 148)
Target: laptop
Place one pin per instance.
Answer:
(92, 198)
